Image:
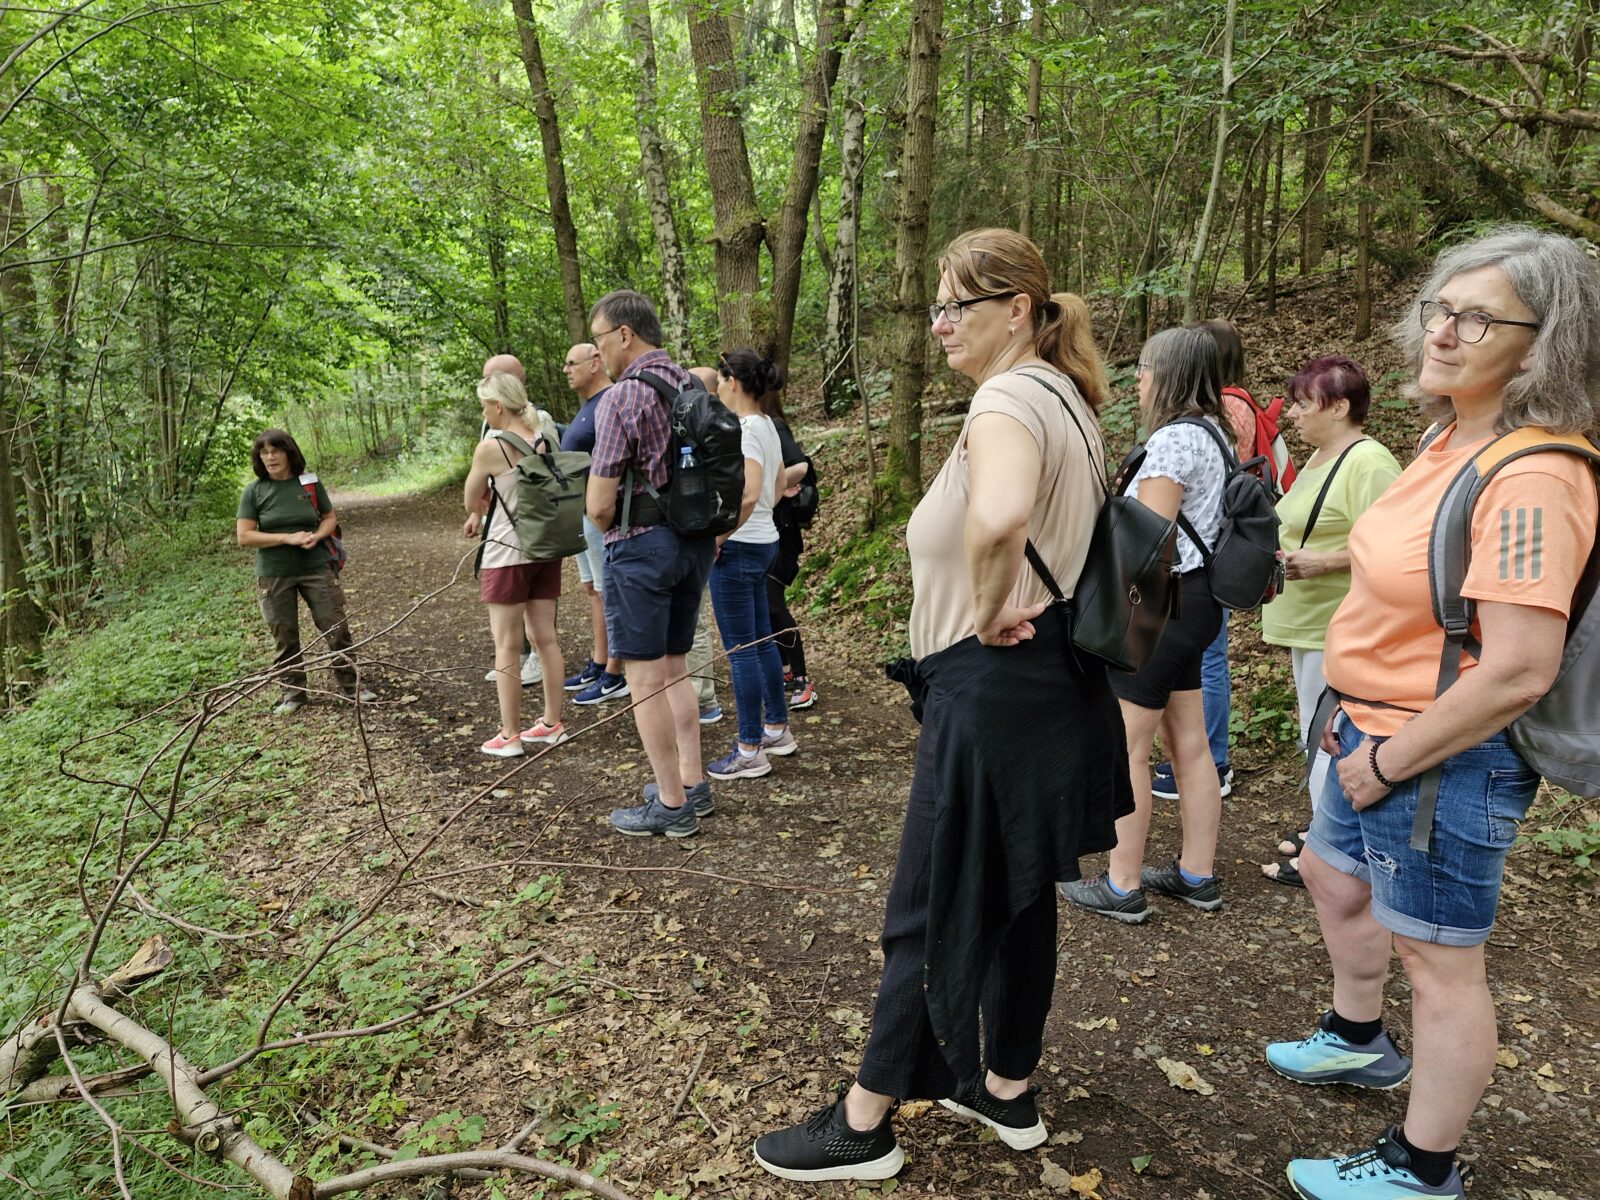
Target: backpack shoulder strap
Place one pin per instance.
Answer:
(1067, 407)
(517, 443)
(1322, 493)
(659, 385)
(1431, 434)
(309, 481)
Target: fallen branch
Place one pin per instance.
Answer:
(688, 1084)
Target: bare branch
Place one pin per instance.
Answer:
(483, 1160)
(1522, 115)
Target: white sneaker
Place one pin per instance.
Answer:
(532, 670)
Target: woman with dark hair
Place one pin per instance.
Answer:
(791, 545)
(1408, 846)
(1182, 472)
(286, 517)
(739, 575)
(1346, 472)
(1020, 766)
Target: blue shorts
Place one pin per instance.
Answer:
(655, 581)
(592, 558)
(1449, 895)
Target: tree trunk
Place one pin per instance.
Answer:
(555, 172)
(1275, 219)
(838, 378)
(494, 237)
(1254, 173)
(739, 232)
(910, 336)
(1219, 158)
(1364, 223)
(1314, 180)
(786, 235)
(657, 191)
(1030, 121)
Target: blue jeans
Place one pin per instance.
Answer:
(1216, 695)
(739, 598)
(1449, 895)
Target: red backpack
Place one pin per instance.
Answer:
(1269, 443)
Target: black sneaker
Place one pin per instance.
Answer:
(1016, 1121)
(825, 1147)
(1096, 896)
(1169, 881)
(1164, 784)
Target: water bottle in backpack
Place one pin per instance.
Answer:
(691, 497)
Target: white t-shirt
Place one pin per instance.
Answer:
(761, 445)
(1186, 454)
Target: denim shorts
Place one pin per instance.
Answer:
(592, 558)
(1449, 895)
(655, 581)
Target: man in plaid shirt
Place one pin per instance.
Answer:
(654, 577)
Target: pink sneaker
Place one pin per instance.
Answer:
(503, 747)
(550, 735)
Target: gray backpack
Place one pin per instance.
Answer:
(1559, 736)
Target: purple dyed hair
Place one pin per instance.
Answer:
(1333, 377)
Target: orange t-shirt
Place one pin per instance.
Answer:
(1532, 529)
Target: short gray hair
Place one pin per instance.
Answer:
(1560, 284)
(630, 308)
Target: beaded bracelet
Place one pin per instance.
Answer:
(1372, 761)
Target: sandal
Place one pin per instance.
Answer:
(1292, 842)
(1284, 871)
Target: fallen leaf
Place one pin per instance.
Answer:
(912, 1109)
(1182, 1075)
(1067, 1137)
(1505, 1058)
(1140, 1162)
(1053, 1177)
(1548, 1071)
(1096, 1023)
(1084, 1185)
(1204, 1048)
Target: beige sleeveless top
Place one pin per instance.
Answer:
(1063, 515)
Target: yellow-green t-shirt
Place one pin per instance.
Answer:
(1299, 616)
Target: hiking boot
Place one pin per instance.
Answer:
(1164, 784)
(1096, 896)
(1016, 1121)
(1381, 1173)
(1169, 881)
(289, 704)
(576, 683)
(1325, 1057)
(780, 744)
(824, 1147)
(801, 693)
(710, 714)
(500, 746)
(697, 797)
(653, 817)
(549, 735)
(606, 687)
(736, 764)
(532, 671)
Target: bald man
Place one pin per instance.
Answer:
(504, 364)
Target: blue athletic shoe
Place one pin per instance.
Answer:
(711, 714)
(576, 683)
(1164, 784)
(1381, 1173)
(1325, 1057)
(605, 687)
(653, 817)
(697, 797)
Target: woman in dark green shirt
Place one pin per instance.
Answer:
(286, 517)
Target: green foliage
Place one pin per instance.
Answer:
(1581, 845)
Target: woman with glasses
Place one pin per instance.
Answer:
(1346, 472)
(1509, 338)
(1181, 473)
(1019, 769)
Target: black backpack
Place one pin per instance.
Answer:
(1243, 568)
(704, 499)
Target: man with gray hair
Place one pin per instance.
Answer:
(654, 577)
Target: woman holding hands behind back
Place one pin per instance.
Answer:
(286, 516)
(1020, 766)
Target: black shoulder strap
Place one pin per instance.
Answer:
(1322, 493)
(659, 385)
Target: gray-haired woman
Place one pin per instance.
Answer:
(1505, 336)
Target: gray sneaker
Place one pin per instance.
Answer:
(779, 744)
(1169, 881)
(1096, 896)
(699, 797)
(653, 817)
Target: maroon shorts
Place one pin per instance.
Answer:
(521, 583)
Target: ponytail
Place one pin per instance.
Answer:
(759, 376)
(1065, 340)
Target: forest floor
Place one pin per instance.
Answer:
(732, 974)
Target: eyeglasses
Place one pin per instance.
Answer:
(603, 332)
(581, 361)
(951, 310)
(1141, 368)
(1470, 326)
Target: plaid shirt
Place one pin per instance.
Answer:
(632, 430)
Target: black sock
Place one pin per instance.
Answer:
(1431, 1166)
(1357, 1033)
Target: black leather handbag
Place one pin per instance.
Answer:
(1128, 589)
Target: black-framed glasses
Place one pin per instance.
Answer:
(1470, 325)
(951, 310)
(603, 332)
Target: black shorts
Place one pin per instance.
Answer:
(654, 584)
(1175, 666)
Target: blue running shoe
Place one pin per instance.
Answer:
(653, 817)
(711, 714)
(737, 765)
(1325, 1057)
(605, 687)
(698, 797)
(576, 683)
(1381, 1173)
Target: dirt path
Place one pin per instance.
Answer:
(761, 993)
